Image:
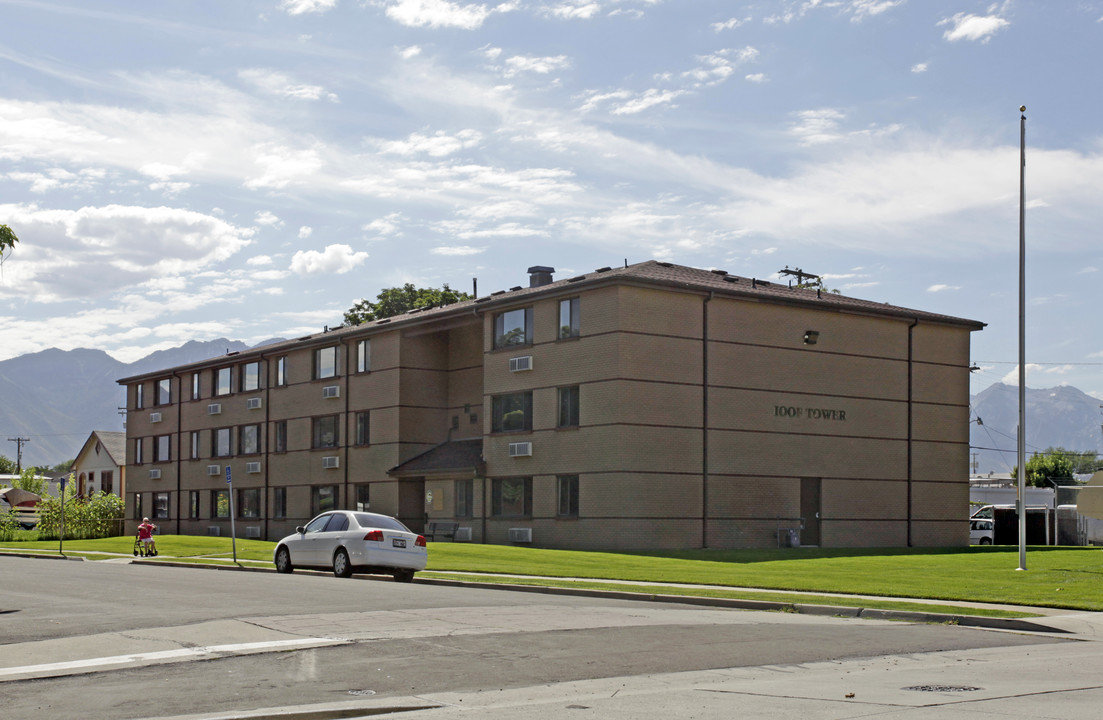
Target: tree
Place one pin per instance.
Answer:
(7, 241)
(1055, 466)
(395, 301)
(7, 466)
(31, 481)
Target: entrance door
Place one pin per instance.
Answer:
(810, 510)
(411, 504)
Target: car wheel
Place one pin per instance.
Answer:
(341, 565)
(283, 561)
(404, 576)
(986, 541)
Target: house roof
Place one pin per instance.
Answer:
(454, 456)
(650, 273)
(113, 442)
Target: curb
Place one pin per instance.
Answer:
(989, 623)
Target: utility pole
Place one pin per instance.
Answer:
(802, 277)
(19, 452)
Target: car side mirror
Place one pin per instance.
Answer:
(300, 529)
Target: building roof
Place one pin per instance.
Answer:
(454, 456)
(113, 442)
(650, 273)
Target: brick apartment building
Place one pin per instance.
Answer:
(649, 406)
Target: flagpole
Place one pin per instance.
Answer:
(1021, 500)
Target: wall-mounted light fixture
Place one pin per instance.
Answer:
(811, 336)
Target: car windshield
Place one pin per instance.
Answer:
(367, 520)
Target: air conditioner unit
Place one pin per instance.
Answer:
(463, 534)
(214, 530)
(331, 391)
(521, 449)
(252, 531)
(214, 409)
(155, 417)
(520, 535)
(253, 403)
(253, 467)
(331, 461)
(518, 364)
(214, 469)
(154, 474)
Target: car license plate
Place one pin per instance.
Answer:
(398, 542)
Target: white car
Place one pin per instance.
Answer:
(981, 531)
(349, 541)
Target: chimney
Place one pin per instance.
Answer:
(540, 275)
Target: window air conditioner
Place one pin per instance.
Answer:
(520, 449)
(252, 531)
(518, 364)
(253, 467)
(155, 474)
(463, 534)
(155, 417)
(214, 409)
(213, 530)
(520, 535)
(253, 403)
(214, 469)
(331, 461)
(331, 391)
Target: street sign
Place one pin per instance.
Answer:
(227, 473)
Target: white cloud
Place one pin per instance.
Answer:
(575, 10)
(438, 144)
(868, 8)
(267, 218)
(388, 225)
(259, 260)
(299, 7)
(719, 66)
(919, 68)
(540, 65)
(815, 127)
(942, 288)
(409, 52)
(283, 166)
(456, 251)
(973, 27)
(305, 232)
(278, 83)
(440, 13)
(335, 260)
(757, 78)
(729, 24)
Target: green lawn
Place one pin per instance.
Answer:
(1057, 577)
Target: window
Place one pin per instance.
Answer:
(281, 436)
(325, 362)
(221, 445)
(279, 503)
(222, 381)
(325, 432)
(323, 498)
(363, 436)
(107, 481)
(513, 327)
(193, 504)
(138, 515)
(362, 503)
(363, 356)
(164, 391)
(194, 445)
(250, 376)
(568, 496)
(162, 451)
(248, 440)
(220, 503)
(161, 505)
(248, 503)
(511, 497)
(568, 318)
(195, 386)
(139, 396)
(568, 406)
(138, 451)
(465, 496)
(281, 371)
(511, 412)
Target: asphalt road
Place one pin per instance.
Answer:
(113, 640)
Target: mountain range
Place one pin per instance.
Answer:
(56, 398)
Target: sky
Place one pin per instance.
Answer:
(251, 169)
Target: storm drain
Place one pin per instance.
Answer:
(361, 692)
(943, 688)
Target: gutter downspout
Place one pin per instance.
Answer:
(705, 421)
(266, 442)
(911, 345)
(179, 445)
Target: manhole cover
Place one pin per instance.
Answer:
(361, 692)
(943, 688)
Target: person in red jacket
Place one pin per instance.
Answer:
(145, 534)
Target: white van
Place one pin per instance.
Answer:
(981, 531)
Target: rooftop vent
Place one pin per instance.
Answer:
(540, 275)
